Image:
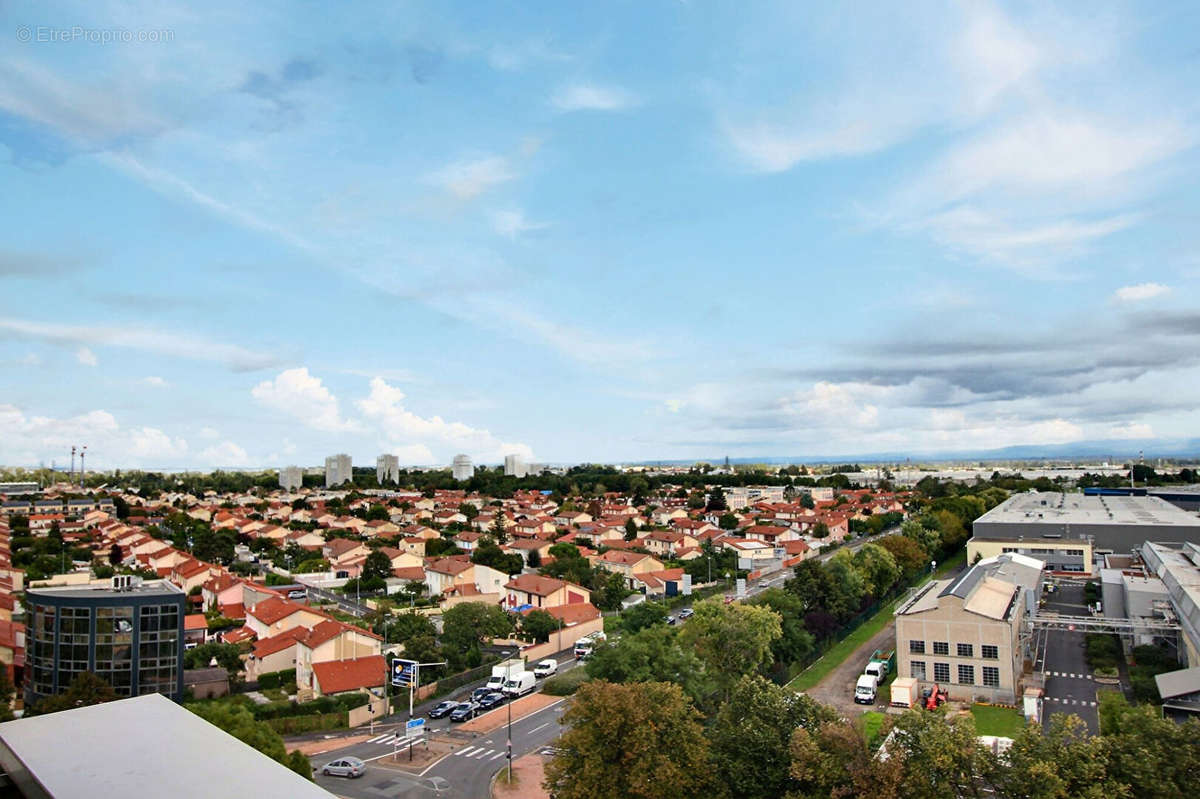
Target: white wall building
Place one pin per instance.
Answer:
(337, 470)
(462, 469)
(514, 466)
(291, 478)
(387, 469)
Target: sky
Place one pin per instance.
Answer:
(258, 234)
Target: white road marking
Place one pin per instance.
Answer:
(381, 738)
(464, 752)
(498, 754)
(535, 729)
(482, 753)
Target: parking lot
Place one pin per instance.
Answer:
(1061, 655)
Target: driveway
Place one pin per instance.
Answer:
(837, 689)
(1062, 656)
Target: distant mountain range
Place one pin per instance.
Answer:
(1115, 449)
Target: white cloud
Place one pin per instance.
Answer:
(1140, 292)
(470, 178)
(826, 404)
(154, 381)
(86, 357)
(209, 432)
(226, 453)
(304, 397)
(416, 434)
(29, 440)
(512, 223)
(161, 342)
(588, 97)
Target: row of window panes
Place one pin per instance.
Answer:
(966, 674)
(988, 651)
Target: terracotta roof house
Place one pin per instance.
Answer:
(543, 592)
(345, 676)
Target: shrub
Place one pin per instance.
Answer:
(566, 683)
(1103, 650)
(277, 679)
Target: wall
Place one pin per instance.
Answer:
(451, 601)
(364, 715)
(561, 643)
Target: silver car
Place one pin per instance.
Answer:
(346, 767)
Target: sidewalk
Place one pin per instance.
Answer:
(528, 773)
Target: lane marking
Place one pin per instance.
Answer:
(482, 754)
(535, 729)
(465, 752)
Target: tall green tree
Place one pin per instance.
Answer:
(652, 654)
(731, 640)
(634, 741)
(795, 643)
(473, 624)
(752, 733)
(240, 723)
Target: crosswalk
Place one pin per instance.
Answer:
(1065, 701)
(1068, 674)
(480, 753)
(389, 739)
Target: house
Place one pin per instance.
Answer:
(442, 574)
(526, 546)
(658, 583)
(666, 542)
(347, 676)
(466, 541)
(770, 533)
(627, 564)
(195, 628)
(342, 550)
(222, 590)
(572, 518)
(274, 615)
(332, 641)
(543, 592)
(751, 553)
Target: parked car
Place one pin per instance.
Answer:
(479, 693)
(464, 711)
(494, 699)
(671, 619)
(545, 668)
(297, 593)
(346, 767)
(686, 613)
(442, 709)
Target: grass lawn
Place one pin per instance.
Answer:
(1001, 721)
(872, 722)
(865, 631)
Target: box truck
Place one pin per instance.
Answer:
(503, 672)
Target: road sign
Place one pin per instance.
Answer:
(414, 728)
(686, 589)
(404, 672)
(741, 588)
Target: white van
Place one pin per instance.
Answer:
(545, 668)
(520, 684)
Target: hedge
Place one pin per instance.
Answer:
(274, 679)
(566, 683)
(321, 706)
(298, 724)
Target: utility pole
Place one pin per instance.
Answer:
(82, 470)
(71, 479)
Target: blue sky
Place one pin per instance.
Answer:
(256, 235)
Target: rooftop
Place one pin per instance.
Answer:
(161, 748)
(94, 590)
(1045, 507)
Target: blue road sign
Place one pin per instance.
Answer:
(414, 727)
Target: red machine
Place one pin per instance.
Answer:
(936, 698)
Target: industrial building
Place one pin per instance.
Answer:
(387, 469)
(291, 478)
(129, 633)
(1178, 567)
(964, 635)
(1072, 555)
(1113, 523)
(338, 470)
(142, 746)
(462, 469)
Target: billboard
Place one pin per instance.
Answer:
(404, 672)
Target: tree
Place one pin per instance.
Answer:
(649, 655)
(795, 643)
(727, 521)
(752, 733)
(540, 625)
(942, 757)
(877, 567)
(696, 500)
(534, 559)
(806, 500)
(377, 567)
(611, 591)
(405, 626)
(908, 554)
(85, 689)
(1061, 763)
(820, 531)
(6, 695)
(636, 741)
(631, 529)
(643, 615)
(487, 553)
(497, 530)
(834, 761)
(716, 499)
(473, 624)
(731, 640)
(114, 555)
(229, 657)
(240, 723)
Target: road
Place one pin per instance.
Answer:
(1061, 654)
(344, 604)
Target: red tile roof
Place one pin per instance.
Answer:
(339, 676)
(195, 621)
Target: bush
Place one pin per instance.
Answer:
(298, 724)
(1103, 650)
(566, 683)
(277, 679)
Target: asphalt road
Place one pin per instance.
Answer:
(1062, 656)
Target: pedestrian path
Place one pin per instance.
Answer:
(1068, 674)
(1081, 702)
(480, 753)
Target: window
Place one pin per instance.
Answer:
(941, 648)
(917, 670)
(966, 650)
(158, 655)
(990, 652)
(966, 675)
(991, 676)
(74, 636)
(114, 647)
(941, 672)
(916, 647)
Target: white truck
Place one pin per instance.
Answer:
(519, 684)
(545, 668)
(865, 689)
(503, 672)
(585, 645)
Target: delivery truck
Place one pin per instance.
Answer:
(881, 665)
(585, 645)
(866, 689)
(503, 672)
(520, 684)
